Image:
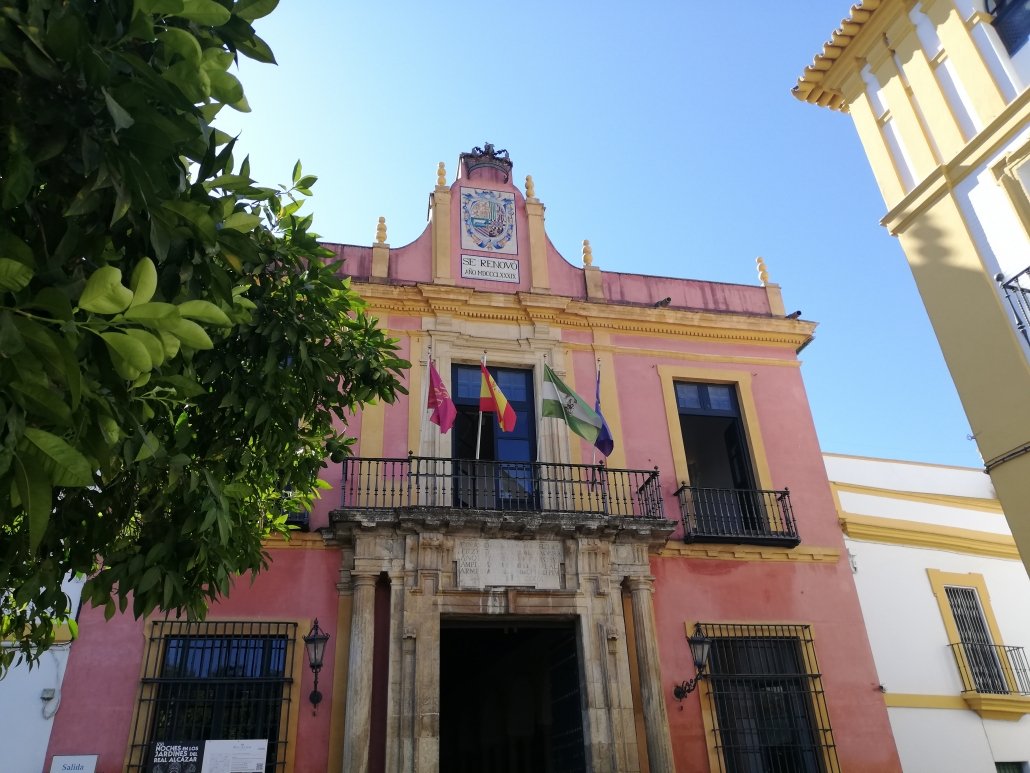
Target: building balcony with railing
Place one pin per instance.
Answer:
(739, 516)
(435, 484)
(995, 679)
(1017, 293)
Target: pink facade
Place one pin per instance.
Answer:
(721, 551)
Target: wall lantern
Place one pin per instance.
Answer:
(700, 649)
(314, 643)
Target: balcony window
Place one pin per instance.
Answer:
(986, 667)
(1012, 21)
(215, 681)
(721, 502)
(768, 711)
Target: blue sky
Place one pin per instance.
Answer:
(659, 131)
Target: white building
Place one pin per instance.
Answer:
(29, 699)
(947, 605)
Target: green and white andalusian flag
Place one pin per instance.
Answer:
(560, 402)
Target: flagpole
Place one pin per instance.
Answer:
(479, 424)
(425, 399)
(597, 371)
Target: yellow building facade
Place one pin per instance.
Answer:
(937, 91)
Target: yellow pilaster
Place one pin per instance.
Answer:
(416, 400)
(970, 67)
(903, 113)
(373, 418)
(537, 246)
(441, 208)
(869, 132)
(940, 119)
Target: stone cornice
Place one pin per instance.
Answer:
(467, 303)
(532, 525)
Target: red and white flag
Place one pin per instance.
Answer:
(439, 402)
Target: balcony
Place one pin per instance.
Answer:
(738, 516)
(1017, 292)
(995, 679)
(507, 487)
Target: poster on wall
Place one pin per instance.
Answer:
(175, 757)
(241, 756)
(488, 221)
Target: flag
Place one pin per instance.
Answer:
(439, 402)
(491, 398)
(605, 443)
(560, 402)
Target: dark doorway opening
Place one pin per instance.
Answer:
(510, 698)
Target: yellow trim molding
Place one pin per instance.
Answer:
(1006, 707)
(872, 528)
(297, 540)
(947, 500)
(521, 308)
(917, 701)
(803, 554)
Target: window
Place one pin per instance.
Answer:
(1010, 767)
(1012, 21)
(502, 475)
(767, 712)
(978, 649)
(713, 436)
(215, 681)
(721, 502)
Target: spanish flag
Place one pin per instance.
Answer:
(491, 398)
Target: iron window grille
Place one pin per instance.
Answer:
(215, 681)
(766, 700)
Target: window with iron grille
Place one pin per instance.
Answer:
(979, 650)
(215, 681)
(1010, 767)
(766, 698)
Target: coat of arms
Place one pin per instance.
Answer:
(488, 221)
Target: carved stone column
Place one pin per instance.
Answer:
(656, 721)
(357, 723)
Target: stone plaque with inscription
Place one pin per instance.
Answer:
(509, 562)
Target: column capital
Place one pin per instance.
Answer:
(363, 579)
(640, 582)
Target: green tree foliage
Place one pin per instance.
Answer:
(176, 349)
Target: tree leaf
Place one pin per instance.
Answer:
(205, 12)
(242, 221)
(121, 117)
(65, 465)
(143, 282)
(130, 350)
(251, 10)
(154, 310)
(104, 292)
(37, 498)
(191, 334)
(181, 42)
(155, 349)
(205, 311)
(14, 276)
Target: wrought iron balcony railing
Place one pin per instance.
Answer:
(993, 669)
(467, 484)
(737, 516)
(1017, 292)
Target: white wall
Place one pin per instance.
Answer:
(903, 618)
(25, 720)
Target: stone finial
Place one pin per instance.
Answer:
(441, 174)
(588, 254)
(530, 187)
(763, 273)
(381, 231)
